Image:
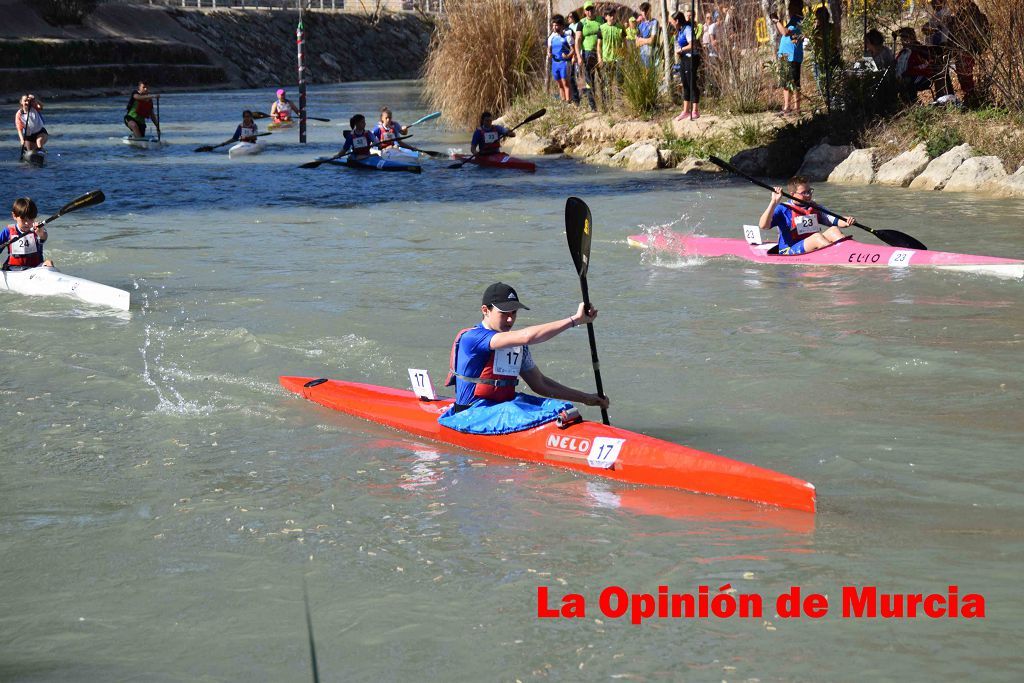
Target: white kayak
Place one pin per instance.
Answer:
(34, 156)
(48, 281)
(143, 143)
(245, 149)
(397, 153)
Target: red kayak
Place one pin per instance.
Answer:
(499, 160)
(588, 447)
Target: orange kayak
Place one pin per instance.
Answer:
(587, 447)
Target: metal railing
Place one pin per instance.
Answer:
(348, 6)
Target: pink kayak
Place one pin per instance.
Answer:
(846, 252)
(498, 161)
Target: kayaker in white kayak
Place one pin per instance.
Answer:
(488, 359)
(247, 129)
(282, 108)
(28, 120)
(358, 141)
(387, 129)
(799, 223)
(487, 138)
(27, 251)
(140, 108)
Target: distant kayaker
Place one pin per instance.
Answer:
(30, 125)
(282, 108)
(487, 360)
(487, 138)
(799, 223)
(247, 129)
(140, 108)
(358, 141)
(26, 251)
(387, 130)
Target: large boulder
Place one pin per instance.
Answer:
(822, 159)
(856, 169)
(900, 171)
(941, 168)
(531, 144)
(977, 174)
(752, 161)
(640, 156)
(1011, 185)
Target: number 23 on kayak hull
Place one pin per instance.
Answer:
(586, 447)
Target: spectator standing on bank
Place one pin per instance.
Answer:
(646, 32)
(825, 55)
(590, 30)
(573, 27)
(791, 56)
(689, 62)
(969, 30)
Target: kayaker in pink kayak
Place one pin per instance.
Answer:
(358, 141)
(799, 224)
(488, 359)
(487, 138)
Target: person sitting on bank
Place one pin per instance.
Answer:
(488, 359)
(487, 138)
(28, 121)
(875, 47)
(26, 251)
(799, 223)
(915, 68)
(140, 108)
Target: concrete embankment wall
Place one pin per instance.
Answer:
(170, 47)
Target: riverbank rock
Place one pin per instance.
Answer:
(941, 168)
(821, 160)
(856, 169)
(640, 156)
(977, 174)
(695, 165)
(594, 127)
(1011, 185)
(751, 161)
(531, 144)
(899, 172)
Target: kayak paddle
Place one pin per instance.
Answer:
(88, 199)
(532, 117)
(210, 148)
(323, 160)
(428, 152)
(424, 119)
(262, 115)
(309, 633)
(893, 238)
(578, 233)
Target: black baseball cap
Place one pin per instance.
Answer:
(502, 297)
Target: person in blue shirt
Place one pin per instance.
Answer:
(247, 130)
(358, 141)
(799, 223)
(646, 32)
(560, 51)
(688, 54)
(487, 138)
(488, 359)
(791, 56)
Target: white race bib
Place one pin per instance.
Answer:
(25, 246)
(490, 137)
(508, 361)
(808, 223)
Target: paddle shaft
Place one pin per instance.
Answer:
(892, 237)
(262, 115)
(593, 347)
(422, 119)
(87, 199)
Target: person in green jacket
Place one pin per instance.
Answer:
(610, 42)
(590, 30)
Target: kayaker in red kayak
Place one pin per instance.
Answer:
(358, 141)
(387, 130)
(27, 251)
(487, 360)
(487, 138)
(282, 108)
(798, 223)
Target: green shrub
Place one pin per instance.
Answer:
(941, 141)
(641, 84)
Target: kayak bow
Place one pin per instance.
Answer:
(498, 160)
(587, 447)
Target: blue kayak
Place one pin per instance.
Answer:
(375, 163)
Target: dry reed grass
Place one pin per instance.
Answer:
(484, 55)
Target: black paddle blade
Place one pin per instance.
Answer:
(533, 117)
(260, 115)
(578, 233)
(87, 199)
(895, 238)
(204, 148)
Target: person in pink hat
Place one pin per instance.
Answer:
(282, 108)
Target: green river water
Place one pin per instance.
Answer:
(162, 498)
